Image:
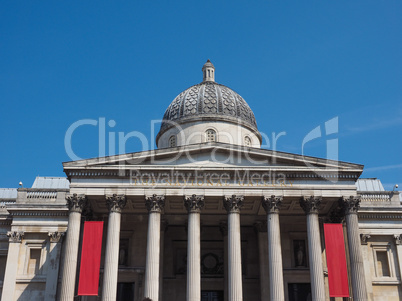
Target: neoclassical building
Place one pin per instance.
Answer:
(207, 216)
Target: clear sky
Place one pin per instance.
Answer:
(298, 64)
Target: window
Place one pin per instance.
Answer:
(34, 261)
(382, 264)
(172, 141)
(383, 260)
(210, 135)
(247, 141)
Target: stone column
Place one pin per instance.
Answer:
(223, 226)
(76, 204)
(53, 265)
(194, 204)
(351, 206)
(10, 276)
(310, 206)
(154, 204)
(233, 205)
(115, 204)
(261, 229)
(271, 205)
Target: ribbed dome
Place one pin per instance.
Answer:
(209, 101)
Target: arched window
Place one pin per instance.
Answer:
(247, 141)
(210, 135)
(172, 141)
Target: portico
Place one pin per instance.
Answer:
(197, 257)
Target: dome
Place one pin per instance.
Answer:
(208, 102)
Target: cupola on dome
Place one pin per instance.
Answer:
(207, 102)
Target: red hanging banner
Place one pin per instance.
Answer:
(90, 259)
(336, 260)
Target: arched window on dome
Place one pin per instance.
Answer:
(210, 135)
(172, 141)
(247, 141)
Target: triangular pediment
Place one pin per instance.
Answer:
(212, 156)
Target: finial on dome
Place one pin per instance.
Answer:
(208, 71)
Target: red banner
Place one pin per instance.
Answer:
(90, 259)
(336, 260)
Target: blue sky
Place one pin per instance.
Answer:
(298, 64)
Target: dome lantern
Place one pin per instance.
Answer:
(208, 71)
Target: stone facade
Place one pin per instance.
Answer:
(207, 220)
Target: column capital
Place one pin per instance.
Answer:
(155, 203)
(364, 238)
(233, 203)
(223, 227)
(115, 202)
(194, 203)
(398, 239)
(56, 236)
(272, 203)
(15, 236)
(350, 204)
(310, 204)
(76, 202)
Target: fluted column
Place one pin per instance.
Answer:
(271, 205)
(351, 206)
(115, 204)
(154, 204)
(15, 238)
(76, 204)
(53, 264)
(310, 206)
(233, 205)
(194, 204)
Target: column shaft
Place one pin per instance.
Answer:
(70, 257)
(351, 205)
(194, 258)
(111, 266)
(311, 206)
(151, 288)
(315, 258)
(275, 258)
(359, 289)
(234, 252)
(115, 204)
(271, 205)
(194, 204)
